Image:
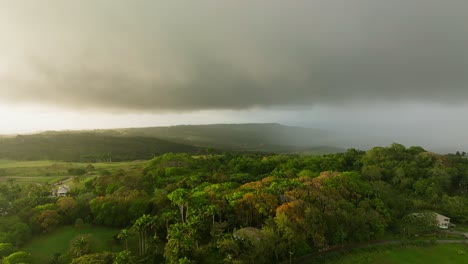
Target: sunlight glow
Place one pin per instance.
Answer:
(28, 119)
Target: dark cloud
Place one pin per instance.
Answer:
(194, 55)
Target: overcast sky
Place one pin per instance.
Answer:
(396, 69)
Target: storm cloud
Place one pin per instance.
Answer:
(201, 55)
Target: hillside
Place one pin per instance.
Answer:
(144, 143)
(267, 137)
(86, 147)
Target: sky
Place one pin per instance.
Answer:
(393, 70)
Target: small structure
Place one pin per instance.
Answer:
(442, 221)
(63, 191)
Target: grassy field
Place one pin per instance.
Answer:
(440, 253)
(51, 172)
(42, 248)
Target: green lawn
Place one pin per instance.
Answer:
(60, 165)
(35, 179)
(441, 253)
(13, 163)
(43, 247)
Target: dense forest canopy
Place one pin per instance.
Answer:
(245, 208)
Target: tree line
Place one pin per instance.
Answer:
(246, 208)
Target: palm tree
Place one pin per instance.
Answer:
(179, 198)
(80, 245)
(123, 235)
(179, 242)
(124, 257)
(142, 225)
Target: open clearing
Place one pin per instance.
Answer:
(50, 172)
(42, 248)
(440, 253)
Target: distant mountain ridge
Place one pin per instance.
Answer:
(270, 137)
(86, 147)
(144, 143)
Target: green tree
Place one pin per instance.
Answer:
(142, 226)
(124, 257)
(81, 244)
(6, 249)
(418, 223)
(123, 235)
(456, 207)
(48, 220)
(179, 244)
(19, 257)
(179, 198)
(66, 208)
(95, 258)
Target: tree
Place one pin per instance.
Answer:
(124, 257)
(179, 244)
(48, 220)
(418, 223)
(123, 235)
(179, 198)
(142, 225)
(96, 258)
(229, 248)
(81, 245)
(6, 249)
(66, 206)
(372, 172)
(19, 257)
(456, 207)
(79, 223)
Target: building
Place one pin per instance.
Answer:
(441, 221)
(63, 191)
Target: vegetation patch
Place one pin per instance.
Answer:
(52, 172)
(243, 208)
(440, 253)
(43, 248)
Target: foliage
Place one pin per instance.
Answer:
(81, 245)
(440, 253)
(48, 220)
(96, 258)
(43, 247)
(6, 249)
(243, 207)
(86, 147)
(418, 224)
(124, 257)
(17, 258)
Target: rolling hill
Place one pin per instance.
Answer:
(86, 147)
(144, 143)
(266, 137)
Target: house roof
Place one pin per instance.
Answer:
(437, 215)
(441, 216)
(63, 188)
